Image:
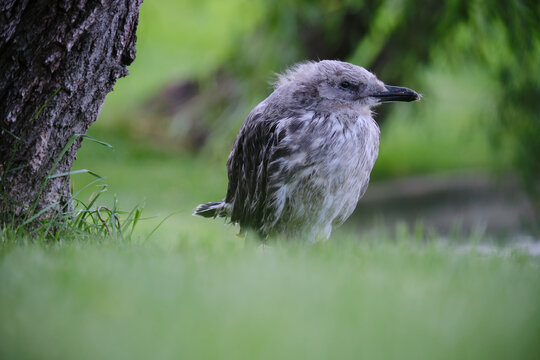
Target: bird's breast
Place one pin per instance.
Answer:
(344, 145)
(327, 168)
(334, 155)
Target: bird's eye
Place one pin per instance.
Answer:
(345, 84)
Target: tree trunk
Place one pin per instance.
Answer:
(62, 57)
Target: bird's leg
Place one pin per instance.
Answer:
(241, 234)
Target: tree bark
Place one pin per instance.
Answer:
(62, 57)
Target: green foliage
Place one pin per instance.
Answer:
(404, 42)
(504, 37)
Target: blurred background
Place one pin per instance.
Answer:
(464, 160)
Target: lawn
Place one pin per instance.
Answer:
(228, 298)
(195, 290)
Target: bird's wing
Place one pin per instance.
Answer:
(253, 169)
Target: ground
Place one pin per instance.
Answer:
(195, 290)
(231, 298)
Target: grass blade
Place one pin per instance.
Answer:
(161, 222)
(74, 172)
(97, 141)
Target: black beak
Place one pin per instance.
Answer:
(396, 93)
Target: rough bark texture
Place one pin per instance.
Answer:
(75, 48)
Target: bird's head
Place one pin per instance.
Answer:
(335, 84)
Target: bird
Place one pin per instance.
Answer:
(303, 156)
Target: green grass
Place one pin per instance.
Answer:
(161, 181)
(225, 298)
(194, 290)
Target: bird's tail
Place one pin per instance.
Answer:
(212, 209)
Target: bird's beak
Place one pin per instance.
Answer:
(396, 93)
